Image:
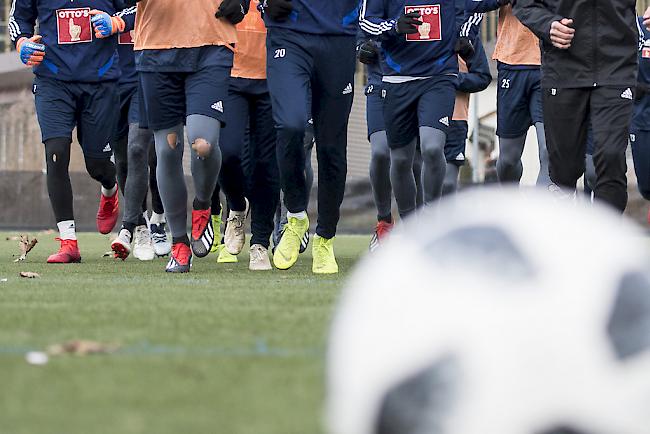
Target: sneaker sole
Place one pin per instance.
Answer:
(120, 251)
(75, 261)
(178, 270)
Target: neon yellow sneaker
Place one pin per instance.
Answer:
(216, 226)
(323, 252)
(225, 257)
(287, 251)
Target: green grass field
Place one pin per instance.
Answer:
(220, 350)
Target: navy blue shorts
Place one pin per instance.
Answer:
(456, 141)
(129, 108)
(171, 96)
(91, 107)
(640, 143)
(519, 101)
(374, 109)
(418, 103)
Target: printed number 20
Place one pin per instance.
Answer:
(279, 53)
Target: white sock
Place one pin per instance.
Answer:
(299, 215)
(109, 192)
(67, 230)
(157, 219)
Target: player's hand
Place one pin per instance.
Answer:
(646, 18)
(31, 51)
(106, 25)
(408, 23)
(368, 53)
(231, 10)
(278, 10)
(464, 48)
(562, 33)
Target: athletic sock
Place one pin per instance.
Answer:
(67, 230)
(298, 215)
(109, 192)
(184, 239)
(157, 219)
(200, 205)
(129, 227)
(387, 219)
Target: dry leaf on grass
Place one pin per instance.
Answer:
(81, 348)
(26, 245)
(13, 238)
(29, 274)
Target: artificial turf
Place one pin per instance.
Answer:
(218, 350)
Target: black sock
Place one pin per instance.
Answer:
(199, 205)
(387, 219)
(129, 227)
(57, 158)
(183, 239)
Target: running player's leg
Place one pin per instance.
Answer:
(380, 175)
(513, 121)
(157, 222)
(206, 92)
(565, 122)
(164, 103)
(435, 109)
(537, 119)
(55, 107)
(96, 121)
(611, 115)
(231, 178)
(121, 138)
(400, 115)
(264, 180)
(332, 93)
(418, 163)
(289, 69)
(454, 154)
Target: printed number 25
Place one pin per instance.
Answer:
(505, 83)
(279, 53)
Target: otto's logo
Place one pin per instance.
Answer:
(429, 30)
(126, 38)
(73, 26)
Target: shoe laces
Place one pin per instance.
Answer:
(257, 253)
(142, 236)
(237, 220)
(66, 244)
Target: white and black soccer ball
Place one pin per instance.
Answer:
(496, 313)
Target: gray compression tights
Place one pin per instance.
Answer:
(509, 166)
(450, 183)
(137, 180)
(203, 135)
(432, 144)
(380, 174)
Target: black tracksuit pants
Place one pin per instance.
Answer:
(567, 114)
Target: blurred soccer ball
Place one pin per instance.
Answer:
(496, 313)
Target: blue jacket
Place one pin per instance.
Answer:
(322, 17)
(412, 55)
(482, 5)
(72, 52)
(641, 119)
(478, 77)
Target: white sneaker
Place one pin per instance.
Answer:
(161, 244)
(121, 246)
(143, 246)
(259, 259)
(234, 237)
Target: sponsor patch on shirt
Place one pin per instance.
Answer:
(125, 38)
(73, 26)
(430, 29)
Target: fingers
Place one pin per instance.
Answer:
(562, 33)
(646, 18)
(36, 38)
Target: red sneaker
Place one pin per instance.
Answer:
(381, 232)
(68, 253)
(108, 212)
(202, 232)
(181, 259)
